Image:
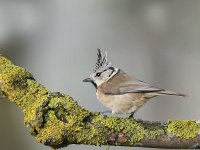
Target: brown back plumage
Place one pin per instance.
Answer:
(122, 83)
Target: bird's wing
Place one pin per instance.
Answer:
(122, 83)
(128, 85)
(133, 87)
(138, 87)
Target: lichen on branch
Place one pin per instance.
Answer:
(57, 120)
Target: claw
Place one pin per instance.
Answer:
(102, 113)
(132, 116)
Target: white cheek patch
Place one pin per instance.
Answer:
(99, 82)
(104, 77)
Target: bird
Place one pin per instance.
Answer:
(120, 92)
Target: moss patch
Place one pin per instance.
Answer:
(53, 131)
(152, 132)
(133, 130)
(183, 128)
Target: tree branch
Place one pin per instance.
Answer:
(57, 120)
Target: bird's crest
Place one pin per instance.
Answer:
(102, 62)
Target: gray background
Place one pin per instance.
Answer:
(157, 41)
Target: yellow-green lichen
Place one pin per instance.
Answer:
(153, 129)
(53, 118)
(52, 132)
(75, 119)
(33, 102)
(4, 62)
(92, 135)
(133, 130)
(14, 82)
(20, 87)
(154, 133)
(183, 128)
(56, 119)
(66, 106)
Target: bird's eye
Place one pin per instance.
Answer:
(98, 74)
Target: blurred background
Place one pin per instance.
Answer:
(157, 41)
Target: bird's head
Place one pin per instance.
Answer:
(103, 70)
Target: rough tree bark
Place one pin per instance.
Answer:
(57, 120)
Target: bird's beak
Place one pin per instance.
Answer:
(87, 80)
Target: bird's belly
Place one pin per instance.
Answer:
(106, 100)
(126, 103)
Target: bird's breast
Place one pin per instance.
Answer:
(125, 103)
(106, 100)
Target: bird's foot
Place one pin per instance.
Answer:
(132, 116)
(102, 113)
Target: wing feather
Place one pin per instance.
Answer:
(138, 88)
(127, 85)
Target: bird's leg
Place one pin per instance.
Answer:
(102, 113)
(107, 111)
(132, 116)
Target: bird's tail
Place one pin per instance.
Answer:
(171, 93)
